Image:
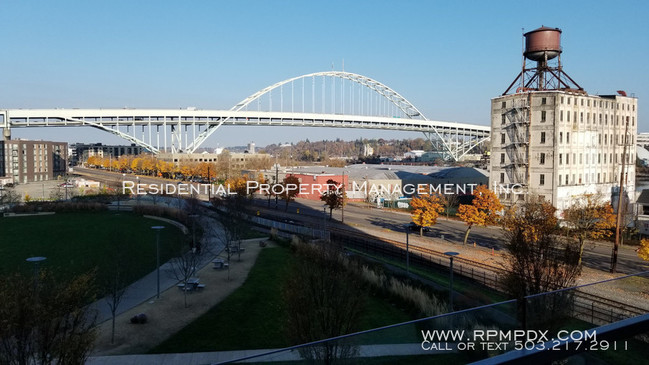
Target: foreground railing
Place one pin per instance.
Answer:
(559, 321)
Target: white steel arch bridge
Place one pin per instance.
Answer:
(333, 99)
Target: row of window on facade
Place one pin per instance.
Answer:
(602, 103)
(581, 118)
(608, 158)
(577, 179)
(607, 138)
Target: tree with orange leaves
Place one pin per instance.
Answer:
(589, 218)
(426, 210)
(643, 251)
(483, 211)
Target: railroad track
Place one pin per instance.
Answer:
(597, 309)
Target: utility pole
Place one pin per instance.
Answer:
(209, 182)
(619, 202)
(342, 208)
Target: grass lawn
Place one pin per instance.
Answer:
(254, 316)
(77, 242)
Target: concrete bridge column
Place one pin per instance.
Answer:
(6, 131)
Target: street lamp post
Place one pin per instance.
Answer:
(407, 227)
(194, 247)
(157, 254)
(36, 260)
(342, 209)
(450, 255)
(324, 219)
(178, 194)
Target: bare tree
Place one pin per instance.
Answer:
(324, 298)
(184, 268)
(115, 284)
(538, 260)
(449, 202)
(46, 320)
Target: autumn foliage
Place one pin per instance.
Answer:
(426, 210)
(589, 219)
(643, 251)
(483, 211)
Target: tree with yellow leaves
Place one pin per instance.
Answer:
(483, 211)
(589, 218)
(643, 251)
(426, 210)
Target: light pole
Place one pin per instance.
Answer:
(194, 247)
(450, 255)
(324, 219)
(157, 230)
(137, 188)
(178, 194)
(407, 227)
(342, 209)
(36, 260)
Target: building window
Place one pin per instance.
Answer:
(503, 119)
(542, 179)
(542, 159)
(502, 138)
(569, 101)
(560, 137)
(504, 105)
(598, 178)
(543, 101)
(562, 100)
(559, 179)
(600, 118)
(542, 137)
(502, 178)
(567, 137)
(599, 139)
(599, 158)
(543, 115)
(502, 158)
(560, 158)
(566, 179)
(567, 159)
(561, 115)
(581, 117)
(568, 113)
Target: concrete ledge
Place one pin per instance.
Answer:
(27, 214)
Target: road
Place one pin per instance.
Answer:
(597, 255)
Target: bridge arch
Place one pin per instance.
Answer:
(381, 89)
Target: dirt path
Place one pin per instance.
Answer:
(168, 314)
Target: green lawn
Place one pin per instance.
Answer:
(253, 317)
(77, 242)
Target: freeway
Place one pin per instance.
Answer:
(387, 223)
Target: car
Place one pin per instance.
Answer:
(415, 227)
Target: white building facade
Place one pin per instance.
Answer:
(560, 145)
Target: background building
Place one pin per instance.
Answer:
(553, 140)
(81, 151)
(28, 161)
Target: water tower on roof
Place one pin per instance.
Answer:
(543, 45)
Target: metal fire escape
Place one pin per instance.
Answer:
(518, 132)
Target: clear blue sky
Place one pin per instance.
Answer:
(447, 58)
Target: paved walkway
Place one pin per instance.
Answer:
(146, 288)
